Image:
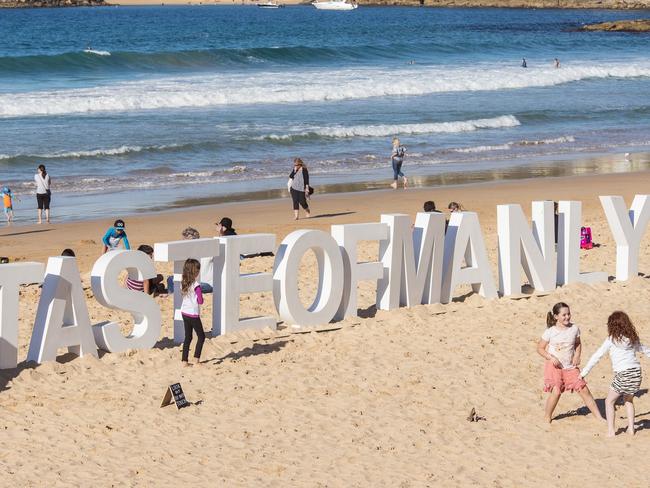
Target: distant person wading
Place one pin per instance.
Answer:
(397, 159)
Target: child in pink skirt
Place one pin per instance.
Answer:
(560, 346)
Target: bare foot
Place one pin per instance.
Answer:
(308, 215)
(630, 432)
(611, 434)
(186, 364)
(547, 419)
(393, 185)
(406, 182)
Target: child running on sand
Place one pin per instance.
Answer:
(560, 346)
(114, 235)
(622, 343)
(191, 309)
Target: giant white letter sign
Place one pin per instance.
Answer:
(348, 236)
(145, 311)
(568, 246)
(412, 260)
(11, 276)
(330, 278)
(178, 252)
(465, 240)
(627, 229)
(62, 318)
(518, 246)
(230, 284)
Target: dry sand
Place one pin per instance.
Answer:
(380, 401)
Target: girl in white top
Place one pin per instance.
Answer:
(191, 309)
(622, 343)
(43, 193)
(561, 347)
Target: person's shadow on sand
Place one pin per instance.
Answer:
(600, 403)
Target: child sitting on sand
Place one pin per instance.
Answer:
(114, 235)
(560, 346)
(622, 343)
(151, 286)
(191, 309)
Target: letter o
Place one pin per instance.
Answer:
(330, 278)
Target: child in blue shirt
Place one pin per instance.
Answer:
(114, 235)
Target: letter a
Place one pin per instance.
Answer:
(464, 238)
(62, 318)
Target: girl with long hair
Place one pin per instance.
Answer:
(622, 343)
(191, 309)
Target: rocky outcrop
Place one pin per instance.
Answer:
(608, 4)
(621, 26)
(50, 3)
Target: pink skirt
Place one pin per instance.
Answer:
(563, 379)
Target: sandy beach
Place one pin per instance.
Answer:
(380, 400)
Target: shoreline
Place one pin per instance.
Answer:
(79, 207)
(509, 170)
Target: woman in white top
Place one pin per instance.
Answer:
(622, 343)
(43, 193)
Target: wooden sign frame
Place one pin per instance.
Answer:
(174, 394)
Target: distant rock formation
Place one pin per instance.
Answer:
(642, 25)
(608, 4)
(50, 3)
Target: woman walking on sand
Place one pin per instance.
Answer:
(43, 193)
(299, 187)
(397, 158)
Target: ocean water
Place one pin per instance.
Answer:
(173, 105)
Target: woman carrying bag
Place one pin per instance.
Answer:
(299, 187)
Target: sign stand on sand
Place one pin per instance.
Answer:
(174, 394)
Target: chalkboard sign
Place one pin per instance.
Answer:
(174, 394)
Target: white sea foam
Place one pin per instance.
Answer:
(389, 130)
(116, 151)
(508, 145)
(97, 52)
(298, 87)
(557, 140)
(478, 149)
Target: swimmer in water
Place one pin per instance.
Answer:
(523, 63)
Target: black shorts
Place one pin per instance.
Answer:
(43, 200)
